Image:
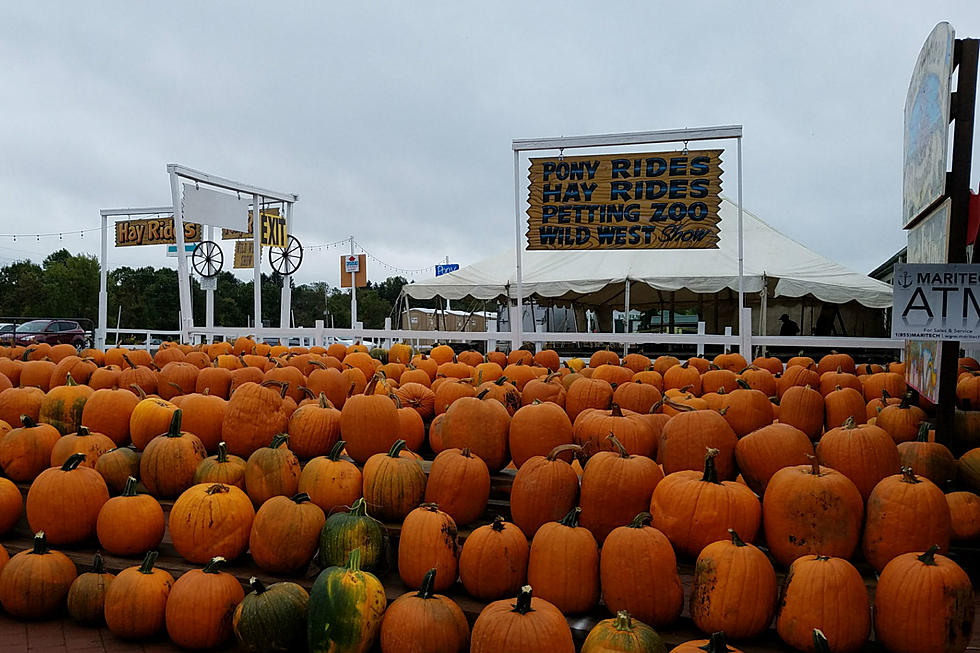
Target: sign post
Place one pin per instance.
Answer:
(353, 275)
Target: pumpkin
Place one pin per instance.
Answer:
(254, 415)
(717, 644)
(923, 602)
(830, 380)
(746, 409)
(62, 406)
(106, 378)
(138, 378)
(109, 411)
(25, 452)
(968, 469)
(203, 414)
(271, 619)
(150, 418)
(35, 582)
(760, 378)
(211, 519)
(176, 378)
(544, 489)
(592, 428)
(796, 375)
(587, 393)
(448, 392)
(314, 428)
(536, 429)
(424, 622)
(11, 505)
(843, 404)
(682, 376)
(615, 375)
(293, 520)
(865, 454)
(169, 460)
(826, 593)
(685, 437)
(891, 382)
(93, 445)
(131, 523)
(803, 407)
(272, 471)
(221, 468)
(622, 633)
(808, 509)
(734, 589)
(493, 561)
(549, 389)
(905, 513)
(428, 539)
(459, 483)
(929, 459)
(763, 452)
(342, 532)
(201, 605)
(331, 482)
(394, 483)
(15, 402)
(215, 380)
(345, 609)
(615, 487)
(369, 423)
(64, 502)
(564, 564)
(37, 373)
(964, 512)
(529, 625)
(695, 509)
(480, 425)
(86, 596)
(638, 573)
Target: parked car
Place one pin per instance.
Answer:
(53, 332)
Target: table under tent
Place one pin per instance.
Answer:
(780, 276)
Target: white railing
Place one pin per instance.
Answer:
(147, 337)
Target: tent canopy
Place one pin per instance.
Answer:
(595, 278)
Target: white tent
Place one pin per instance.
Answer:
(598, 278)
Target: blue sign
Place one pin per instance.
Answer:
(446, 268)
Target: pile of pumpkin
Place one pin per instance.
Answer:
(621, 465)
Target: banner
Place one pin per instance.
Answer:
(273, 229)
(659, 200)
(153, 231)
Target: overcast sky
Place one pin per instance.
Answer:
(393, 121)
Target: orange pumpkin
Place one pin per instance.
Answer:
(564, 565)
(211, 519)
(201, 605)
(493, 561)
(330, 481)
(544, 489)
(293, 520)
(130, 523)
(459, 482)
(394, 483)
(272, 471)
(64, 502)
(427, 540)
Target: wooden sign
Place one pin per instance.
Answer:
(153, 231)
(660, 200)
(244, 254)
(360, 273)
(274, 230)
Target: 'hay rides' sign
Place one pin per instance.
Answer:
(661, 200)
(153, 231)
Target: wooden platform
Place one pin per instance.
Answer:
(243, 569)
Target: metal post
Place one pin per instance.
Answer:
(353, 291)
(626, 320)
(742, 326)
(764, 311)
(257, 263)
(100, 332)
(183, 277)
(209, 301)
(286, 297)
(517, 325)
(700, 351)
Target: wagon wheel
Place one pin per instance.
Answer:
(207, 258)
(286, 260)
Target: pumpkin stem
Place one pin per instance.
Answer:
(465, 453)
(927, 558)
(483, 393)
(98, 564)
(213, 564)
(222, 452)
(498, 524)
(130, 489)
(641, 520)
(908, 476)
(923, 434)
(148, 561)
(279, 440)
(571, 519)
(736, 540)
(849, 422)
(175, 420)
(138, 389)
(394, 398)
(69, 380)
(814, 464)
(359, 508)
(257, 586)
(334, 454)
(619, 445)
(300, 497)
(561, 448)
(372, 384)
(523, 605)
(324, 402)
(83, 431)
(40, 543)
(73, 462)
(623, 621)
(28, 422)
(716, 644)
(354, 560)
(820, 644)
(396, 448)
(425, 592)
(306, 391)
(616, 410)
(710, 473)
(743, 384)
(218, 488)
(431, 507)
(906, 401)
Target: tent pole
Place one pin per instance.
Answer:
(763, 322)
(517, 324)
(741, 283)
(626, 320)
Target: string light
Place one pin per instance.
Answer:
(59, 234)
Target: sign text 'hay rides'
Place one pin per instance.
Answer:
(660, 200)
